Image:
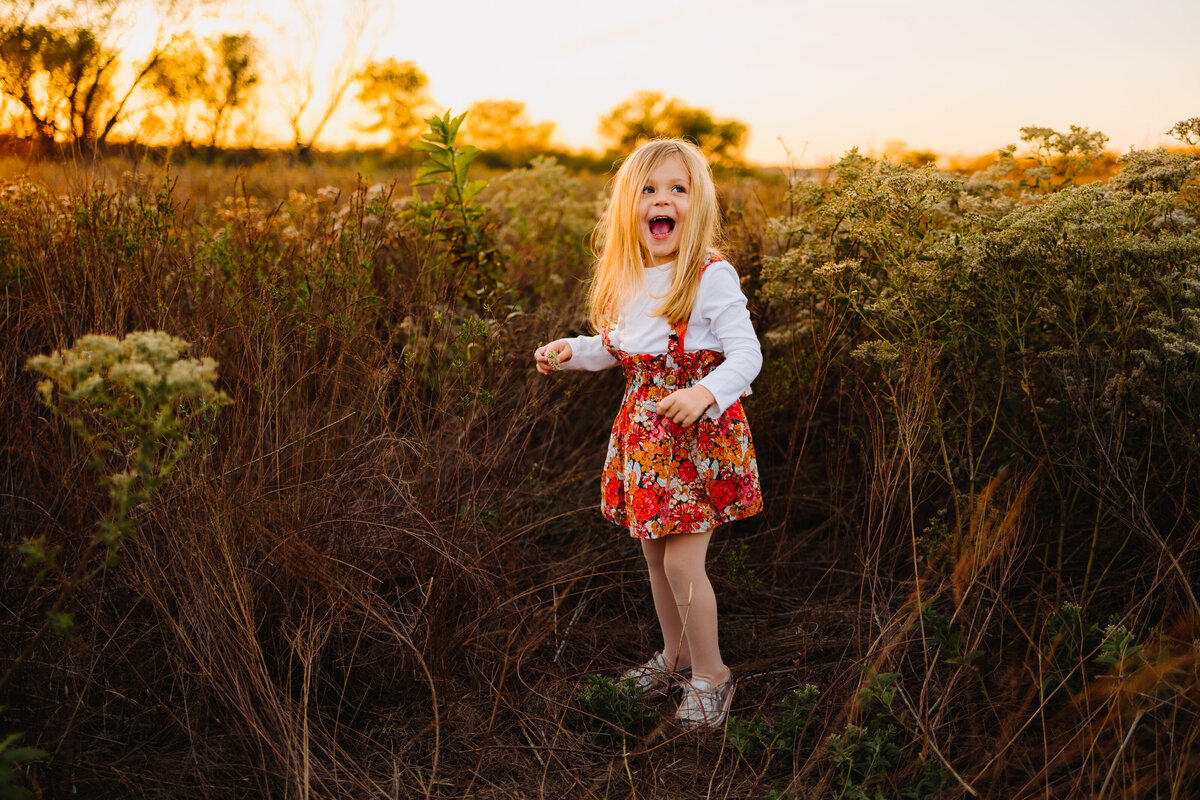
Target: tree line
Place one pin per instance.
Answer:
(64, 79)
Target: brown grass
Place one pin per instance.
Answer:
(382, 583)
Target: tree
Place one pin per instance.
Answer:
(308, 112)
(55, 75)
(219, 75)
(650, 115)
(1187, 131)
(505, 125)
(398, 92)
(234, 79)
(179, 80)
(59, 64)
(1065, 155)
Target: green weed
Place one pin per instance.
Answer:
(738, 571)
(862, 761)
(134, 404)
(1068, 639)
(11, 758)
(613, 707)
(791, 736)
(943, 637)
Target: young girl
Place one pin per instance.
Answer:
(680, 461)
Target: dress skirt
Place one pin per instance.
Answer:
(661, 478)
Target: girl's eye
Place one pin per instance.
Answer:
(680, 189)
(647, 190)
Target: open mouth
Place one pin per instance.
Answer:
(661, 227)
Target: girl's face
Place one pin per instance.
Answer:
(662, 210)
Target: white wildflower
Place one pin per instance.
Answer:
(836, 268)
(155, 347)
(133, 374)
(88, 386)
(193, 376)
(877, 353)
(99, 344)
(121, 482)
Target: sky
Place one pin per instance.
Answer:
(814, 77)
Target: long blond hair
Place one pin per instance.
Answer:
(622, 256)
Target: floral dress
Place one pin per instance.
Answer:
(661, 478)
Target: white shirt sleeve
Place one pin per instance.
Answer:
(722, 305)
(589, 353)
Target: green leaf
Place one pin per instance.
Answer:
(60, 622)
(18, 754)
(473, 188)
(7, 790)
(427, 169)
(462, 162)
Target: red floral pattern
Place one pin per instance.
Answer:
(661, 478)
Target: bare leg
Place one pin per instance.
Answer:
(683, 564)
(675, 649)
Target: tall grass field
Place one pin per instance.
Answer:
(288, 513)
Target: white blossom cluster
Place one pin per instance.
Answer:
(144, 362)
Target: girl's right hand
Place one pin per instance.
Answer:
(550, 357)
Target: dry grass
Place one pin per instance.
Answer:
(383, 582)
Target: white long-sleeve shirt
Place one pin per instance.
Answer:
(720, 321)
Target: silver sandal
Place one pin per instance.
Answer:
(705, 705)
(655, 678)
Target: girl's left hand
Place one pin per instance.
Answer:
(684, 406)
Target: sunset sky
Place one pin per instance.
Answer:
(953, 77)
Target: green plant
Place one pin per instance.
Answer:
(547, 205)
(1062, 155)
(468, 261)
(791, 735)
(878, 692)
(1059, 322)
(931, 780)
(739, 572)
(134, 403)
(795, 731)
(746, 736)
(944, 638)
(12, 757)
(862, 761)
(1118, 651)
(615, 705)
(1068, 638)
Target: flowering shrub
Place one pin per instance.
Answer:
(545, 216)
(134, 402)
(1061, 319)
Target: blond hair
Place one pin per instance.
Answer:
(623, 256)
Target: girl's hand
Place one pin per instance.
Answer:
(684, 406)
(549, 357)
